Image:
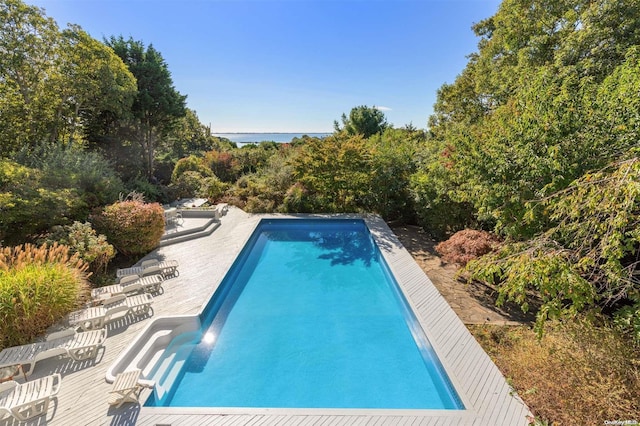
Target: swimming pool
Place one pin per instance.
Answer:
(309, 317)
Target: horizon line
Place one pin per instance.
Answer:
(273, 133)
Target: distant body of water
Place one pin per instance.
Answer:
(242, 138)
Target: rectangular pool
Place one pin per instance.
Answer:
(309, 316)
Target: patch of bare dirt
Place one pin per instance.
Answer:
(473, 302)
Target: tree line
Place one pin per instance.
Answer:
(82, 121)
(535, 141)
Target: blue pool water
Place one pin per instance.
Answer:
(309, 317)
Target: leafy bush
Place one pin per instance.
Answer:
(190, 164)
(265, 190)
(296, 199)
(223, 165)
(628, 321)
(466, 245)
(589, 258)
(150, 191)
(82, 239)
(187, 185)
(74, 167)
(435, 189)
(336, 172)
(252, 194)
(212, 188)
(27, 205)
(392, 163)
(38, 287)
(251, 158)
(133, 227)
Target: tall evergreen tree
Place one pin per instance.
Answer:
(158, 105)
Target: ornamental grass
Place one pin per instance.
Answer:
(38, 287)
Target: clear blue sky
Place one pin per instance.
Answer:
(294, 65)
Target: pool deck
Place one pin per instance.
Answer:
(203, 263)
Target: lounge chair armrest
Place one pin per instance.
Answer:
(128, 279)
(149, 262)
(8, 385)
(60, 334)
(146, 383)
(113, 300)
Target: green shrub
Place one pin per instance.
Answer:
(296, 199)
(74, 167)
(223, 165)
(81, 238)
(435, 192)
(212, 188)
(190, 164)
(150, 191)
(627, 319)
(187, 185)
(38, 287)
(28, 205)
(252, 194)
(588, 259)
(133, 227)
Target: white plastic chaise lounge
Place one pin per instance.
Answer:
(30, 399)
(113, 308)
(167, 268)
(127, 387)
(67, 343)
(129, 284)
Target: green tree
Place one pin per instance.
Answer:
(96, 81)
(392, 162)
(362, 120)
(191, 163)
(29, 45)
(189, 136)
(588, 258)
(71, 167)
(158, 106)
(334, 173)
(523, 120)
(51, 82)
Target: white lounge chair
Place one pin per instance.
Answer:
(127, 387)
(222, 209)
(68, 343)
(113, 308)
(167, 268)
(28, 400)
(129, 284)
(173, 216)
(8, 372)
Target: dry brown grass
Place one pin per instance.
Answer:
(578, 374)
